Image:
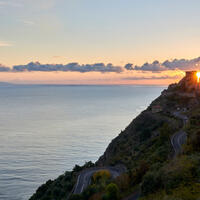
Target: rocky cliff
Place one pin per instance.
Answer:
(126, 148)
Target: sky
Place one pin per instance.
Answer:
(98, 41)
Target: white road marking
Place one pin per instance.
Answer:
(77, 183)
(82, 178)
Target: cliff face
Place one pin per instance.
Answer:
(148, 146)
(130, 145)
(134, 143)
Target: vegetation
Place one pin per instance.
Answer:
(60, 188)
(178, 179)
(112, 192)
(144, 147)
(100, 176)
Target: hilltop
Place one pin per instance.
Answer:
(160, 150)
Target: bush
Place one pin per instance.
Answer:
(101, 175)
(89, 192)
(112, 192)
(77, 168)
(165, 132)
(123, 182)
(152, 182)
(182, 171)
(139, 172)
(195, 141)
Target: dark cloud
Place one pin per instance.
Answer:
(153, 67)
(156, 66)
(4, 68)
(72, 67)
(129, 66)
(183, 64)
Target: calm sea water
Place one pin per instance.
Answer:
(46, 130)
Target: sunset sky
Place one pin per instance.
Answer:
(126, 33)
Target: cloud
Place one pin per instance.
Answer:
(153, 77)
(179, 65)
(128, 66)
(155, 66)
(176, 64)
(72, 67)
(5, 44)
(4, 68)
(183, 64)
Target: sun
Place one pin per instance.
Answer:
(198, 76)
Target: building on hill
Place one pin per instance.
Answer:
(190, 82)
(191, 79)
(191, 75)
(156, 109)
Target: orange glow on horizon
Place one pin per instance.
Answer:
(92, 78)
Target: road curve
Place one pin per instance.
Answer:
(180, 137)
(84, 177)
(177, 140)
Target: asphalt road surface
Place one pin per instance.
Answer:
(179, 138)
(84, 177)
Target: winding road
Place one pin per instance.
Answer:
(84, 178)
(177, 140)
(180, 137)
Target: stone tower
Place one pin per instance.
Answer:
(191, 81)
(191, 76)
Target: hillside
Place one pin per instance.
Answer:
(159, 166)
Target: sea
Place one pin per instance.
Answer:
(46, 129)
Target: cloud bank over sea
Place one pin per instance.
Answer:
(176, 64)
(155, 67)
(71, 67)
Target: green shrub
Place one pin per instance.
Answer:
(112, 192)
(152, 182)
(101, 175)
(92, 189)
